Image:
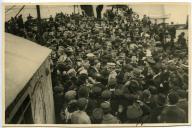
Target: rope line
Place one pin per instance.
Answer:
(20, 10)
(10, 8)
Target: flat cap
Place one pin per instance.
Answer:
(105, 106)
(82, 102)
(70, 95)
(106, 94)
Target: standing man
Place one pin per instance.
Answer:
(80, 116)
(112, 74)
(172, 113)
(172, 32)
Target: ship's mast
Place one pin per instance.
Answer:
(38, 17)
(39, 27)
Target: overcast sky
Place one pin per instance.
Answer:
(177, 12)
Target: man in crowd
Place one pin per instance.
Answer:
(80, 116)
(172, 113)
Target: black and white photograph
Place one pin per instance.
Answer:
(98, 63)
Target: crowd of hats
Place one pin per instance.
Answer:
(118, 69)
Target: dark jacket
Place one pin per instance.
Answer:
(183, 104)
(173, 114)
(110, 119)
(155, 113)
(92, 71)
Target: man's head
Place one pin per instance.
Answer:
(79, 62)
(173, 98)
(106, 95)
(82, 103)
(70, 95)
(98, 65)
(146, 94)
(161, 100)
(86, 64)
(106, 107)
(83, 92)
(182, 94)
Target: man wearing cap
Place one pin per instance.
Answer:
(80, 116)
(58, 100)
(183, 103)
(84, 92)
(108, 118)
(182, 41)
(113, 74)
(90, 56)
(172, 113)
(172, 31)
(79, 63)
(156, 112)
(70, 57)
(106, 95)
(116, 102)
(93, 70)
(67, 111)
(97, 116)
(134, 111)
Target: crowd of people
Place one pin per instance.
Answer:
(117, 69)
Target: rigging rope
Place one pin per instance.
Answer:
(20, 10)
(10, 8)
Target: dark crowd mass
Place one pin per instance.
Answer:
(121, 68)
